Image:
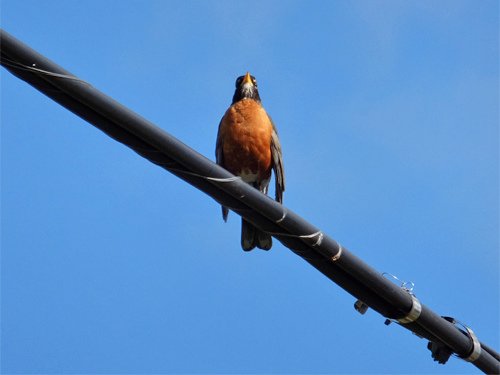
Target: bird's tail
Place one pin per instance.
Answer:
(252, 237)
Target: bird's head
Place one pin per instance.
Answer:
(246, 88)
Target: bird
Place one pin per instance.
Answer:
(248, 146)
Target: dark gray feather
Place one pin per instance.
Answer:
(279, 171)
(219, 159)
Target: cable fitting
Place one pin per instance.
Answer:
(476, 346)
(414, 314)
(475, 351)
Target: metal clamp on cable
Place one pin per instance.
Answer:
(416, 307)
(475, 352)
(414, 314)
(476, 346)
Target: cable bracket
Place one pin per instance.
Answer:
(476, 346)
(414, 314)
(475, 352)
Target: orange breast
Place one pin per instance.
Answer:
(246, 140)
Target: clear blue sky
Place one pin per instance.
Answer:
(388, 113)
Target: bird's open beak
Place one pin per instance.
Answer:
(247, 79)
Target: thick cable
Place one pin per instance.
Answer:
(122, 124)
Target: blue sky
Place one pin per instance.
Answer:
(389, 121)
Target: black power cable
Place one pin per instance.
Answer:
(305, 240)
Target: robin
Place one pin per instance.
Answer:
(248, 146)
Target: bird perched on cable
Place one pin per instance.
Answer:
(248, 146)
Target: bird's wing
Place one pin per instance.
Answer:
(279, 171)
(219, 156)
(219, 159)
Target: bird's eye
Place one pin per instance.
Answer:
(238, 81)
